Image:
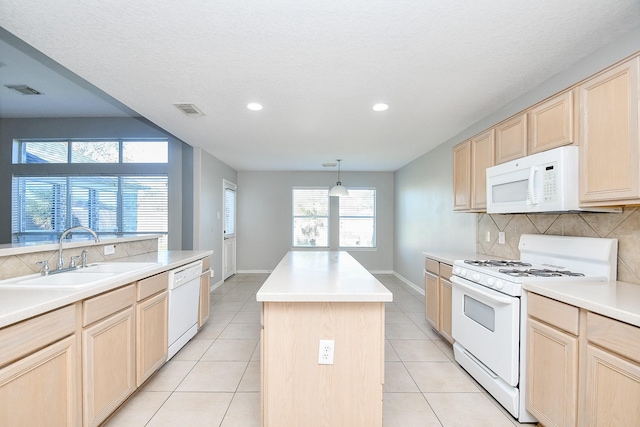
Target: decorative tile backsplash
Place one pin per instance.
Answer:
(624, 226)
(23, 264)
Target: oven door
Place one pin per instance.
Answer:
(487, 324)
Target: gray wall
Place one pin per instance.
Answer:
(265, 222)
(208, 174)
(424, 219)
(11, 129)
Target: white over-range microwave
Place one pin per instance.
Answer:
(542, 182)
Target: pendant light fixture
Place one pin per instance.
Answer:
(338, 190)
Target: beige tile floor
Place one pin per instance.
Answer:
(214, 380)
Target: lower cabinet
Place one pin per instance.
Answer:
(152, 333)
(39, 380)
(205, 293)
(437, 290)
(568, 346)
(108, 353)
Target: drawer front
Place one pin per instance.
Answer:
(104, 305)
(616, 336)
(25, 337)
(152, 285)
(558, 314)
(432, 266)
(446, 270)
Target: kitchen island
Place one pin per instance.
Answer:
(314, 296)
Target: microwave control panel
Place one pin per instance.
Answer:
(549, 183)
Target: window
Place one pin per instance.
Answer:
(229, 211)
(93, 151)
(358, 219)
(112, 197)
(311, 217)
(44, 206)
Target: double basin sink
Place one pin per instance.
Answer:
(90, 275)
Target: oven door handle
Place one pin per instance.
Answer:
(479, 291)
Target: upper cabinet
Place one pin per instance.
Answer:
(511, 139)
(470, 162)
(482, 155)
(609, 147)
(462, 176)
(552, 123)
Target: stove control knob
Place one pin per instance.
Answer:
(463, 272)
(499, 284)
(476, 277)
(491, 281)
(456, 270)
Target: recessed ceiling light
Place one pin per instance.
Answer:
(380, 107)
(254, 106)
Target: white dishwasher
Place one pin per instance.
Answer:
(184, 297)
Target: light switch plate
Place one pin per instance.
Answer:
(501, 238)
(109, 249)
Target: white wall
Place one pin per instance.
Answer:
(424, 219)
(265, 216)
(208, 174)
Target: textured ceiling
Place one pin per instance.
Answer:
(317, 67)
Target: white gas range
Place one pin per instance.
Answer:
(489, 308)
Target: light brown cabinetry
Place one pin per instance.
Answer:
(552, 361)
(205, 293)
(552, 123)
(471, 160)
(612, 373)
(108, 353)
(296, 390)
(151, 336)
(567, 347)
(511, 139)
(610, 142)
(39, 371)
(152, 328)
(462, 176)
(438, 297)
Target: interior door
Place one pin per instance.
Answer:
(229, 231)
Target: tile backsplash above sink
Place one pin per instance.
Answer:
(24, 264)
(624, 226)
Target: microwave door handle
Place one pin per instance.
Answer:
(531, 198)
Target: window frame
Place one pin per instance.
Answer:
(327, 217)
(373, 217)
(69, 170)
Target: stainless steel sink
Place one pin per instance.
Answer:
(93, 274)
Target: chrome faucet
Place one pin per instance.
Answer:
(65, 233)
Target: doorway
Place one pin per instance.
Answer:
(229, 229)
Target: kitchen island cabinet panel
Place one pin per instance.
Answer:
(300, 392)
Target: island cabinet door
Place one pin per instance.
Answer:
(297, 390)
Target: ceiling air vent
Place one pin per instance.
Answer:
(190, 110)
(24, 89)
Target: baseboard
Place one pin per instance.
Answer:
(254, 271)
(418, 289)
(215, 286)
(381, 271)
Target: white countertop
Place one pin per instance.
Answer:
(618, 300)
(17, 304)
(449, 257)
(322, 277)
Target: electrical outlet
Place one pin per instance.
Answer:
(325, 352)
(109, 249)
(501, 238)
(487, 237)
